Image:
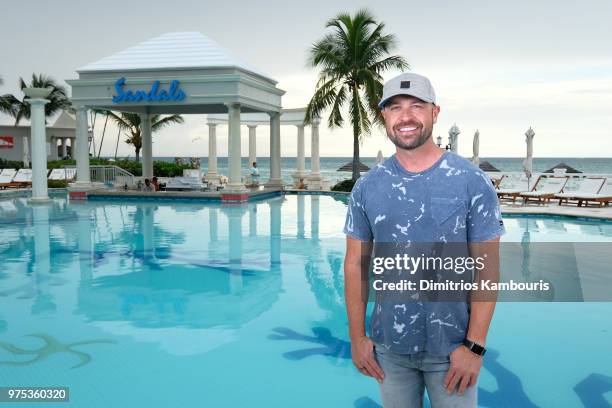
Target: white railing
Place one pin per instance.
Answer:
(111, 174)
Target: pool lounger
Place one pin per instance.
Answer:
(508, 188)
(68, 174)
(601, 198)
(186, 184)
(6, 177)
(548, 187)
(23, 178)
(588, 187)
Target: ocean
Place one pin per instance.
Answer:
(330, 165)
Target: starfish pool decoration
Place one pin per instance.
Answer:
(51, 346)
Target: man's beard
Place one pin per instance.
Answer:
(416, 142)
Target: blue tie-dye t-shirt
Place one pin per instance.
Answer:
(452, 201)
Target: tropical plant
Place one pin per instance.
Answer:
(130, 124)
(352, 59)
(20, 109)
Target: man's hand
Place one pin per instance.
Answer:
(362, 351)
(463, 371)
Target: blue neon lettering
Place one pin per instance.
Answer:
(155, 94)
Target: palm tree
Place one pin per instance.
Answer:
(130, 124)
(19, 109)
(352, 59)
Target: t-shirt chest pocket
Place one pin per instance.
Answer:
(444, 208)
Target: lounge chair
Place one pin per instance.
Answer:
(67, 174)
(601, 198)
(512, 188)
(588, 186)
(23, 178)
(545, 189)
(6, 177)
(186, 184)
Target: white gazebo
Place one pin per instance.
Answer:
(288, 117)
(178, 73)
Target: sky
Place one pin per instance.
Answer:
(497, 67)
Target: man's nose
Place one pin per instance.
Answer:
(406, 115)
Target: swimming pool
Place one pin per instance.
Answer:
(191, 304)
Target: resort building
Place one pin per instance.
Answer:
(16, 142)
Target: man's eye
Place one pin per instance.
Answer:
(417, 106)
(394, 107)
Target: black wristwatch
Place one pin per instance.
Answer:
(474, 347)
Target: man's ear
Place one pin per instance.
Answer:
(435, 112)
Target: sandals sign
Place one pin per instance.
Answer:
(155, 94)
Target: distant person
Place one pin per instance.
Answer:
(301, 185)
(254, 171)
(421, 194)
(148, 187)
(155, 183)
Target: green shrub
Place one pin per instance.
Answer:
(166, 169)
(129, 165)
(57, 183)
(344, 185)
(10, 164)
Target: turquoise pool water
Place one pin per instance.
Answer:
(191, 304)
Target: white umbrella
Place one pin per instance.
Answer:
(379, 157)
(26, 153)
(528, 162)
(476, 148)
(453, 134)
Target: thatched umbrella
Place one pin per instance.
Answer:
(487, 166)
(349, 167)
(568, 168)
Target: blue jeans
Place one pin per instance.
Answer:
(407, 376)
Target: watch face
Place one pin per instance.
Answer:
(477, 349)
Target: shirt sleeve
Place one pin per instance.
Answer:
(357, 225)
(484, 215)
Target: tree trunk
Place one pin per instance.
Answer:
(137, 154)
(102, 141)
(356, 173)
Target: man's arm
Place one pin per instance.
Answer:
(356, 295)
(465, 365)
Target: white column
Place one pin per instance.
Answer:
(81, 153)
(252, 144)
(275, 156)
(234, 215)
(42, 241)
(234, 153)
(300, 216)
(275, 231)
(212, 151)
(39, 146)
(64, 148)
(147, 145)
(314, 148)
(315, 180)
(301, 161)
(314, 217)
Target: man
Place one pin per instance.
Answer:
(421, 194)
(148, 187)
(254, 174)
